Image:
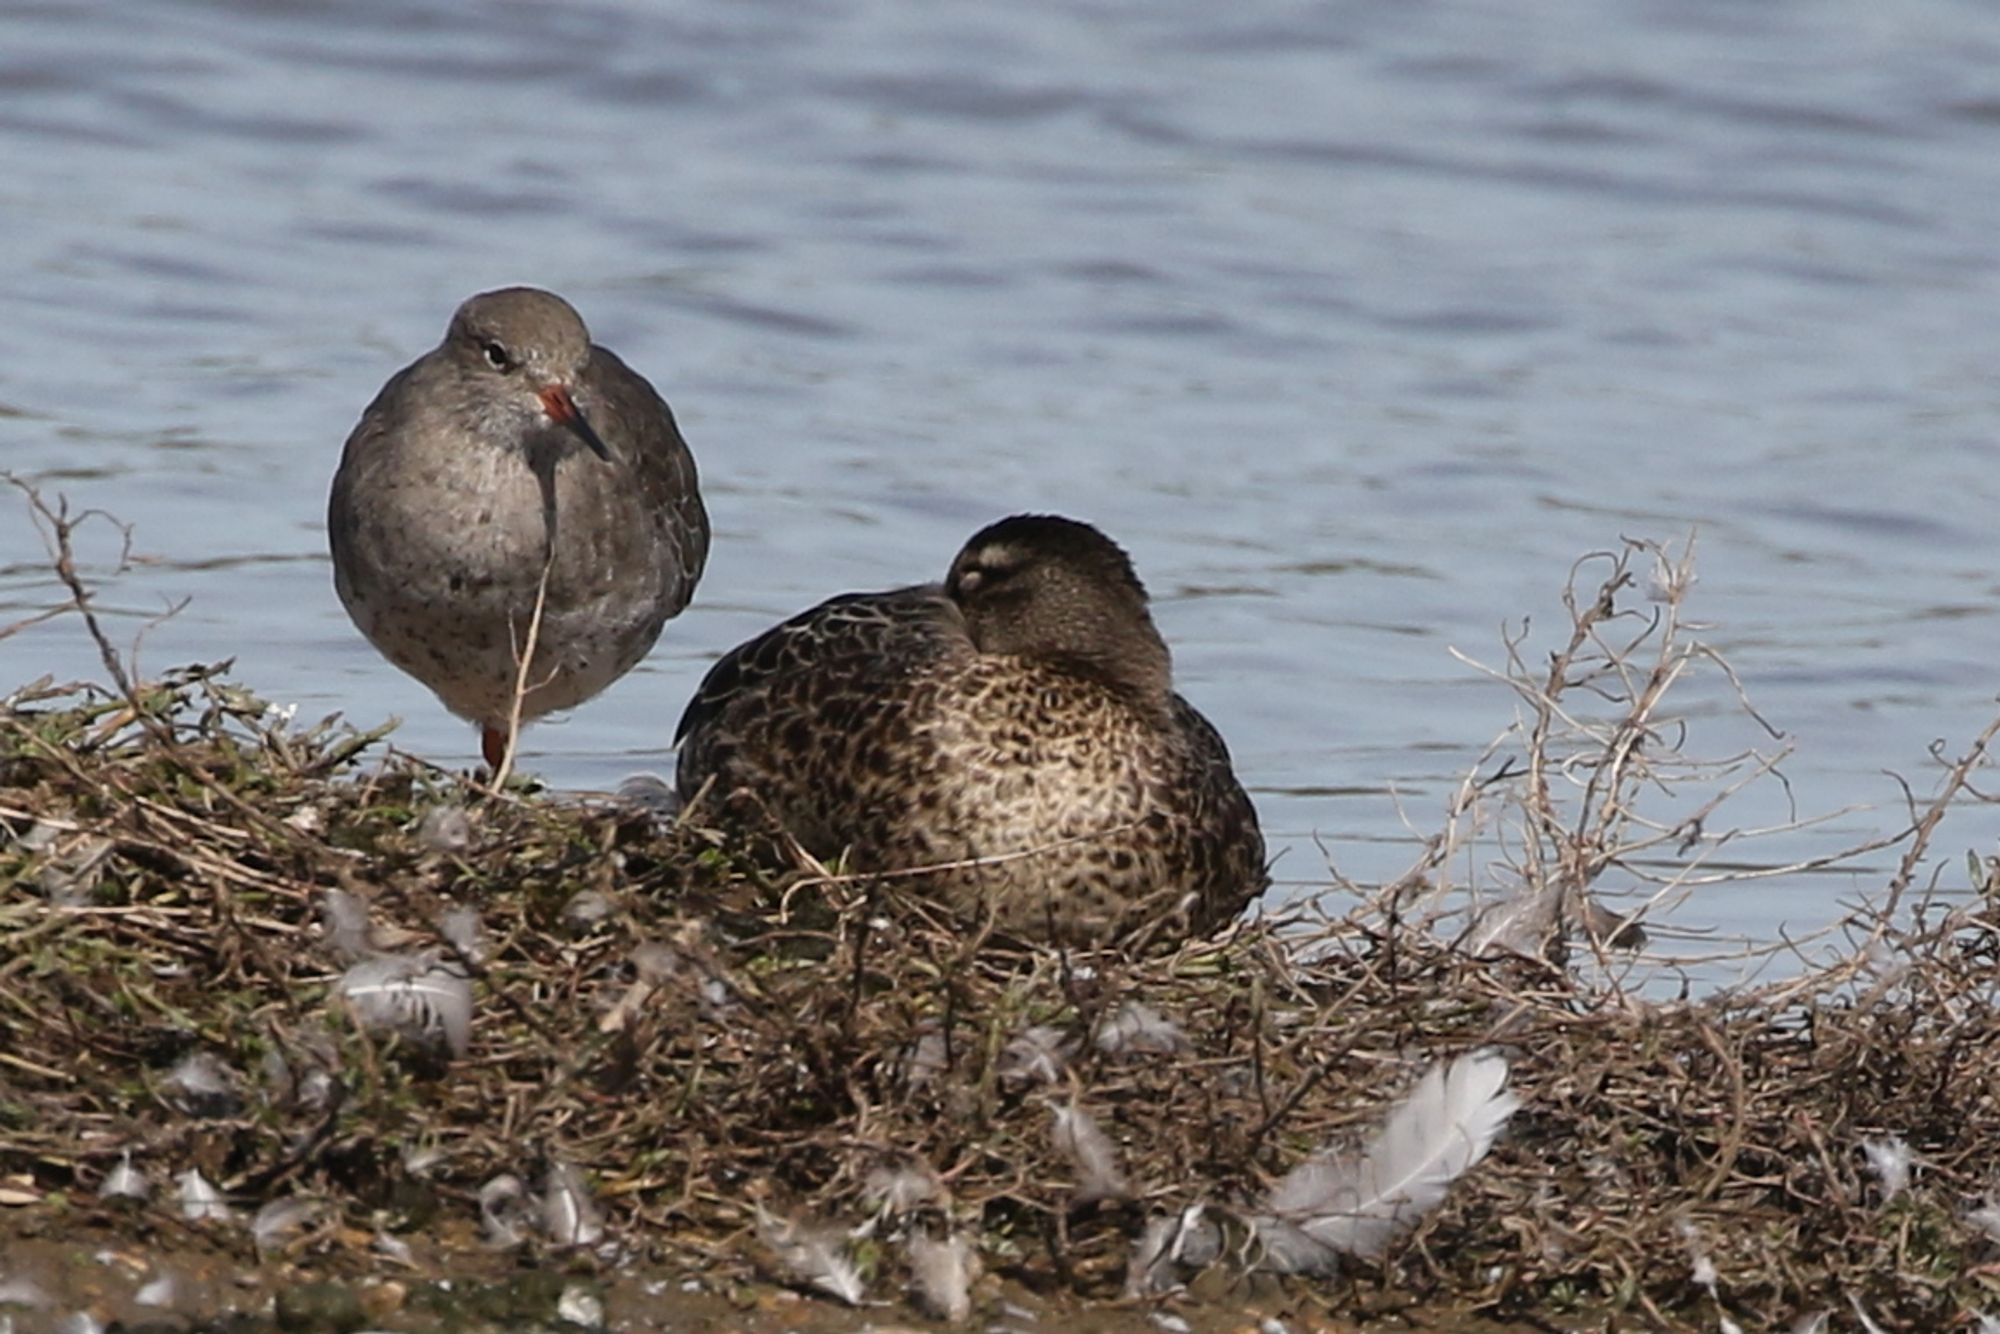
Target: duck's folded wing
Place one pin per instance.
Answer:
(1222, 806)
(855, 632)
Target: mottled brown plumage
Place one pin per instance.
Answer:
(1022, 712)
(515, 437)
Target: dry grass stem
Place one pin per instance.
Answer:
(524, 657)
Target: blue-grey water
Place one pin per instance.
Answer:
(1356, 323)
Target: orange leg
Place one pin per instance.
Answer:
(493, 744)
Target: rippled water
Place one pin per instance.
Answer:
(1356, 323)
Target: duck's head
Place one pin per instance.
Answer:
(1057, 590)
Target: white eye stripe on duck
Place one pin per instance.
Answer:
(987, 578)
(996, 563)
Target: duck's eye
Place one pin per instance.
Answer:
(496, 356)
(987, 579)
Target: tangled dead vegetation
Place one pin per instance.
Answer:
(324, 1001)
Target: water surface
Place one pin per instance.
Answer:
(1356, 323)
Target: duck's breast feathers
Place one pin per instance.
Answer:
(862, 635)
